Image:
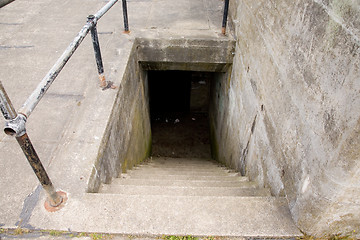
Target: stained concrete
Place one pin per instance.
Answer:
(77, 126)
(284, 113)
(288, 116)
(193, 212)
(207, 55)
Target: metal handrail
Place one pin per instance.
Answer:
(15, 122)
(126, 21)
(225, 15)
(49, 78)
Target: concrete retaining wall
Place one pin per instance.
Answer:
(127, 139)
(289, 116)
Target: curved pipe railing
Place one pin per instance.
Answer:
(15, 123)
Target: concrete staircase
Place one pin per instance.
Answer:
(175, 196)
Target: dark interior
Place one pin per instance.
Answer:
(179, 103)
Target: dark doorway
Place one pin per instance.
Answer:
(169, 91)
(179, 113)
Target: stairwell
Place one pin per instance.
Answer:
(191, 196)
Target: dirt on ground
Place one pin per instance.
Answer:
(180, 135)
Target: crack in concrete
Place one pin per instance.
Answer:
(16, 46)
(246, 150)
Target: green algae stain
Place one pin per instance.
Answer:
(213, 142)
(148, 148)
(140, 146)
(340, 10)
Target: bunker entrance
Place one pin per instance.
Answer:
(179, 107)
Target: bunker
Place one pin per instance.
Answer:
(276, 100)
(165, 105)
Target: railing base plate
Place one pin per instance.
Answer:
(51, 208)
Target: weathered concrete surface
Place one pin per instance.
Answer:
(76, 118)
(289, 115)
(207, 55)
(30, 45)
(171, 213)
(127, 137)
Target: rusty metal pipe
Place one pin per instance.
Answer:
(39, 170)
(226, 10)
(126, 21)
(15, 125)
(96, 45)
(46, 82)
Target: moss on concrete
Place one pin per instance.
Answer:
(148, 148)
(213, 142)
(140, 140)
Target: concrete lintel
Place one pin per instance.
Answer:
(185, 66)
(185, 54)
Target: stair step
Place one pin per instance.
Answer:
(264, 217)
(182, 167)
(183, 161)
(183, 183)
(169, 159)
(172, 196)
(184, 191)
(155, 171)
(188, 165)
(222, 178)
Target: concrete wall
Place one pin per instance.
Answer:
(127, 140)
(206, 55)
(289, 116)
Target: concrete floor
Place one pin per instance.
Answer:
(67, 125)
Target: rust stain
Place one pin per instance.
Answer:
(106, 84)
(102, 81)
(49, 206)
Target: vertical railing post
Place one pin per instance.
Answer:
(226, 9)
(95, 40)
(96, 45)
(126, 22)
(15, 125)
